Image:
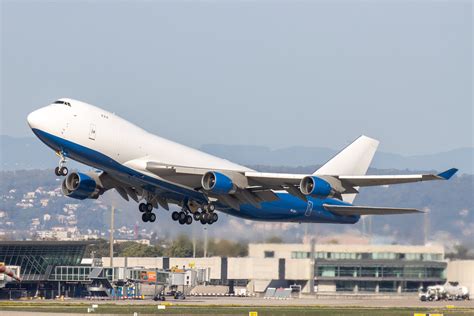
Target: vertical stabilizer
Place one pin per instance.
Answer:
(353, 160)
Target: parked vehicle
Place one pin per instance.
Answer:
(448, 291)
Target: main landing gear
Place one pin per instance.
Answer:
(61, 169)
(147, 210)
(207, 216)
(182, 217)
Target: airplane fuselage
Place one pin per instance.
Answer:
(105, 141)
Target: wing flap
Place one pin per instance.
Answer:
(345, 210)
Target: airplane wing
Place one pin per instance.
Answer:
(257, 187)
(374, 180)
(346, 210)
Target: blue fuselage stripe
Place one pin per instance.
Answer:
(288, 208)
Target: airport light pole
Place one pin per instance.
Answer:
(205, 242)
(312, 265)
(112, 241)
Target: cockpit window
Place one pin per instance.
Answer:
(62, 102)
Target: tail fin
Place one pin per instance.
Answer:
(352, 160)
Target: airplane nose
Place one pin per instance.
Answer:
(34, 119)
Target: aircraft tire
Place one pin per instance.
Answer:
(203, 220)
(56, 171)
(149, 207)
(182, 221)
(214, 217)
(189, 220)
(175, 215)
(142, 207)
(152, 217)
(145, 217)
(182, 216)
(197, 216)
(63, 171)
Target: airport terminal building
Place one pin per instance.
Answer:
(53, 269)
(364, 268)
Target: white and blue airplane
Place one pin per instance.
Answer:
(157, 172)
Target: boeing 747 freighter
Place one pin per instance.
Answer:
(156, 172)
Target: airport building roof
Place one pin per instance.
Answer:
(301, 251)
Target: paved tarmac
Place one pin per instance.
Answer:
(398, 301)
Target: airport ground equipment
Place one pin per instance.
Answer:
(448, 291)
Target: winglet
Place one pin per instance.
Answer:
(446, 175)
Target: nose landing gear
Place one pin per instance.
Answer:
(61, 169)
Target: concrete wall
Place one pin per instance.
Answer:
(297, 269)
(461, 271)
(285, 250)
(213, 263)
(252, 268)
(148, 263)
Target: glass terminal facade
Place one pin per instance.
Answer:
(38, 258)
(376, 271)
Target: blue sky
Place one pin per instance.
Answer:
(274, 73)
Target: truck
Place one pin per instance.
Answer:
(448, 291)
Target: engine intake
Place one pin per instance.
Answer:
(80, 186)
(217, 183)
(314, 186)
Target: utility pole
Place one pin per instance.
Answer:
(426, 225)
(194, 241)
(312, 266)
(205, 242)
(112, 240)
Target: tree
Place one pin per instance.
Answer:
(140, 250)
(274, 240)
(180, 247)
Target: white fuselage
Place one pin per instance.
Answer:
(111, 135)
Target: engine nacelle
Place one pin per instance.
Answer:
(314, 186)
(81, 186)
(217, 183)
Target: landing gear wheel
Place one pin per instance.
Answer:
(210, 221)
(182, 217)
(211, 207)
(197, 216)
(203, 221)
(63, 171)
(142, 207)
(189, 220)
(145, 217)
(175, 215)
(152, 217)
(214, 217)
(56, 171)
(182, 221)
(149, 207)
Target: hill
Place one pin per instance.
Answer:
(16, 154)
(30, 201)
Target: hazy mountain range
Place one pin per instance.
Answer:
(29, 153)
(449, 217)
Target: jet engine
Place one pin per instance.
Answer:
(315, 186)
(217, 183)
(81, 186)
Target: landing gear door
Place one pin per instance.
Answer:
(92, 132)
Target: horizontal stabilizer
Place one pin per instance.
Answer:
(345, 210)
